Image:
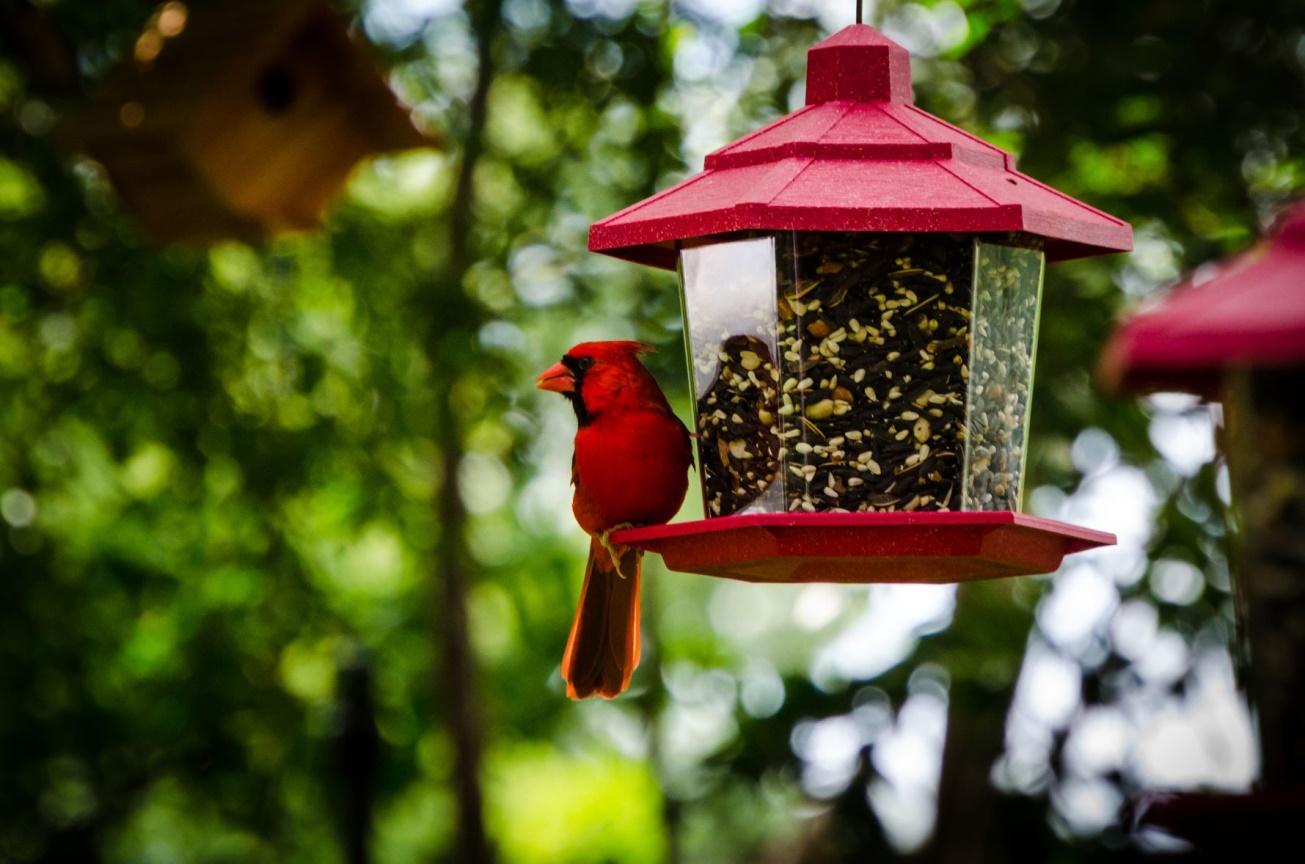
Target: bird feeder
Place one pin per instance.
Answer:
(1236, 332)
(1245, 314)
(238, 119)
(861, 285)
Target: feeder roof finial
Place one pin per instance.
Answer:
(859, 64)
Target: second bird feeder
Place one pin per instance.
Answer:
(861, 285)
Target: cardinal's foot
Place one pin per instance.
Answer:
(615, 551)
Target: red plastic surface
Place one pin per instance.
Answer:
(936, 547)
(1249, 311)
(859, 157)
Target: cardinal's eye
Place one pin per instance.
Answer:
(583, 363)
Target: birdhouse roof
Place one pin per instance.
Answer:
(1247, 311)
(860, 156)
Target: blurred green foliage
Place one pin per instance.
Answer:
(218, 469)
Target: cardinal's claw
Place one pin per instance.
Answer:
(605, 539)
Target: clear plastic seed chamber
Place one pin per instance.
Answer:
(859, 372)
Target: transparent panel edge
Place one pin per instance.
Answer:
(1007, 294)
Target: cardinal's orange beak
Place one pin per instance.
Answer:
(557, 378)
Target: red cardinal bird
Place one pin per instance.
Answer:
(631, 458)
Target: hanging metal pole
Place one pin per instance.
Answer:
(858, 11)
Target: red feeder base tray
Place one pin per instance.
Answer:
(936, 547)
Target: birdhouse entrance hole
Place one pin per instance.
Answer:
(276, 90)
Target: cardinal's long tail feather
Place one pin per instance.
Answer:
(603, 647)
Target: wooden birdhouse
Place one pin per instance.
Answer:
(861, 285)
(239, 119)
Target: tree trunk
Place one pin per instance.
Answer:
(988, 620)
(456, 683)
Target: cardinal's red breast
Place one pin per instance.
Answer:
(630, 466)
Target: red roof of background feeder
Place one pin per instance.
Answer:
(1249, 312)
(859, 157)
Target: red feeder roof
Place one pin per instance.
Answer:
(1250, 312)
(859, 157)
